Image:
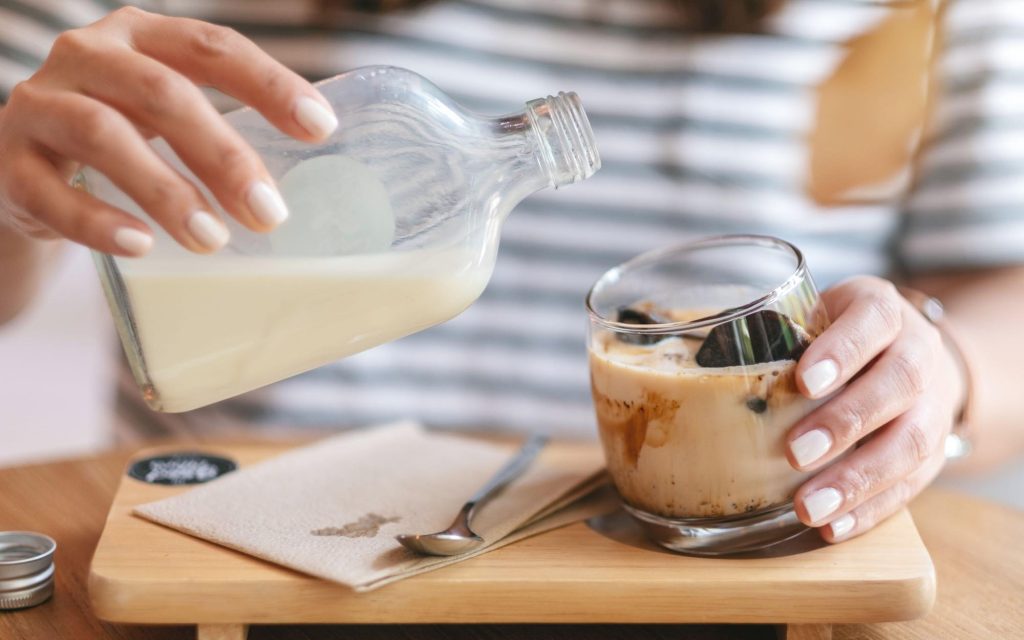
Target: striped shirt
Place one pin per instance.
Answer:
(699, 135)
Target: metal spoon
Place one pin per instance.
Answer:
(459, 537)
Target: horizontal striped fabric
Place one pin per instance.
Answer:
(699, 134)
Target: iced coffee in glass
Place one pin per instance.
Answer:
(693, 351)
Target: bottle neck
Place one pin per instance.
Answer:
(560, 138)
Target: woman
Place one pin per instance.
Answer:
(867, 133)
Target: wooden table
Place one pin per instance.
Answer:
(975, 546)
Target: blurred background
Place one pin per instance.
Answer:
(57, 360)
(57, 369)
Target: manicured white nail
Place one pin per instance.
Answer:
(820, 376)
(842, 525)
(266, 204)
(810, 446)
(135, 242)
(315, 117)
(822, 503)
(207, 230)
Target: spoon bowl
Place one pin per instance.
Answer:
(452, 542)
(459, 538)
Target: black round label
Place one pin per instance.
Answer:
(181, 468)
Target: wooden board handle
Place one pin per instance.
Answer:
(805, 632)
(222, 632)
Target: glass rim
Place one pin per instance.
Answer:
(726, 315)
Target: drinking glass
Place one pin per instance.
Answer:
(693, 351)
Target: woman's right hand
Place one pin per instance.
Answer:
(105, 89)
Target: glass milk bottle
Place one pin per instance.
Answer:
(394, 228)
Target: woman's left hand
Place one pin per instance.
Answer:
(903, 391)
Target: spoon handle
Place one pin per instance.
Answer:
(509, 472)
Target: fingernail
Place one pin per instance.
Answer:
(810, 446)
(822, 503)
(315, 117)
(842, 525)
(820, 376)
(207, 230)
(266, 204)
(133, 241)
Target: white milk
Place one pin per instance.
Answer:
(214, 328)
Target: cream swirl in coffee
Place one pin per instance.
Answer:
(686, 441)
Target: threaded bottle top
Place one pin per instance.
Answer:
(567, 147)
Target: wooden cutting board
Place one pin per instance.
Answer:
(584, 573)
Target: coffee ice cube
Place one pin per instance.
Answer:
(764, 336)
(629, 315)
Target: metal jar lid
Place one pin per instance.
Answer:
(26, 569)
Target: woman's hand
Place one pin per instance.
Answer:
(903, 391)
(107, 87)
